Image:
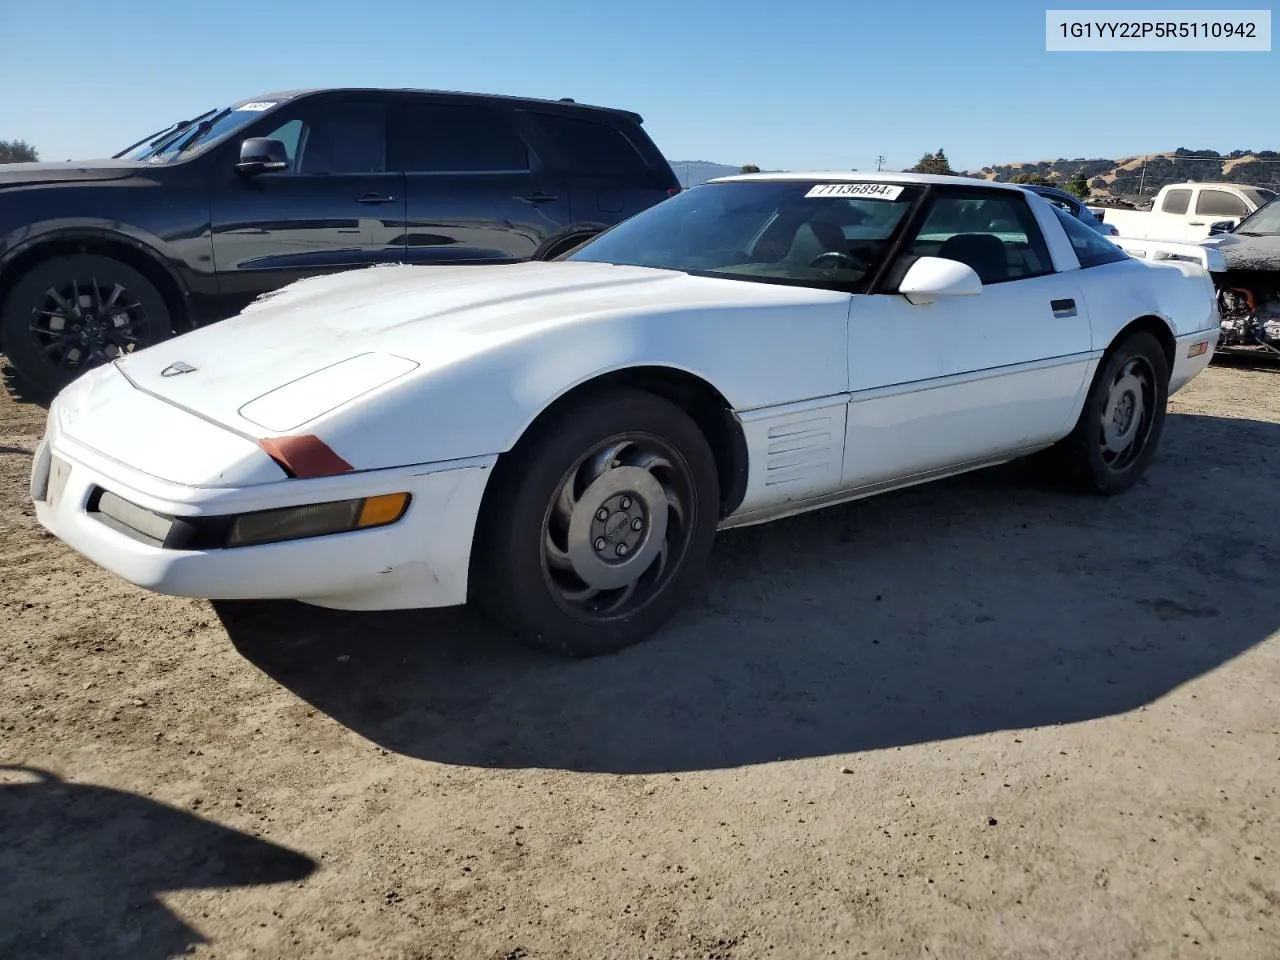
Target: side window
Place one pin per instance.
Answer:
(1176, 201)
(995, 235)
(341, 138)
(289, 134)
(590, 149)
(1092, 249)
(1219, 203)
(447, 138)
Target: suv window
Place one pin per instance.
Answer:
(449, 138)
(1092, 249)
(588, 148)
(1176, 201)
(996, 235)
(1219, 203)
(336, 138)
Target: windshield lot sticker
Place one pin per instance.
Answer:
(257, 106)
(872, 191)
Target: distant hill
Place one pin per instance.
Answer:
(1122, 177)
(690, 173)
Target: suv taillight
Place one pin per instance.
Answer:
(672, 191)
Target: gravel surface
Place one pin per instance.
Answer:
(975, 719)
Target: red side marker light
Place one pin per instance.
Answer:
(305, 457)
(1196, 349)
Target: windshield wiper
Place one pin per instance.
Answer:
(166, 134)
(201, 129)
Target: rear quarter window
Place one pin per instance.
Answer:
(1092, 249)
(589, 148)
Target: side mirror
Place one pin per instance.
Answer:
(1221, 226)
(260, 155)
(932, 277)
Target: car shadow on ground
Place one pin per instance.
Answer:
(81, 866)
(982, 603)
(19, 389)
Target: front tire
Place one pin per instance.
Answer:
(1123, 418)
(597, 525)
(72, 313)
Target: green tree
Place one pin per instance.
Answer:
(17, 151)
(750, 168)
(933, 163)
(1033, 178)
(1078, 185)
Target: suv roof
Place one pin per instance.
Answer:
(565, 105)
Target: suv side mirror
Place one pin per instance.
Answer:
(1221, 226)
(261, 155)
(932, 277)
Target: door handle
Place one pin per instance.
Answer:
(538, 197)
(375, 198)
(1197, 223)
(1063, 308)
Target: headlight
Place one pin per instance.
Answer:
(316, 519)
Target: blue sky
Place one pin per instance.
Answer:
(782, 85)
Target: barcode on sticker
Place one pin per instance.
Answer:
(257, 106)
(874, 191)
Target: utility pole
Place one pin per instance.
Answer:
(1142, 179)
(879, 160)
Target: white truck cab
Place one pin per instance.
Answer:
(1185, 211)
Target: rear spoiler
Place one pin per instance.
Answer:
(1207, 257)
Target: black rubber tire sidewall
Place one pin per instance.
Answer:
(1084, 451)
(507, 577)
(15, 313)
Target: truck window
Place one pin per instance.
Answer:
(1219, 203)
(1176, 201)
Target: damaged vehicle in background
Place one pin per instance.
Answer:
(1249, 286)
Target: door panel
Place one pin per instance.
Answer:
(336, 208)
(962, 379)
(966, 378)
(472, 193)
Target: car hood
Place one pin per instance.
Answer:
(33, 174)
(295, 356)
(1241, 252)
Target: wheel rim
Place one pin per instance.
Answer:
(618, 527)
(81, 323)
(1128, 414)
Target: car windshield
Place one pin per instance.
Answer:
(1265, 222)
(812, 233)
(189, 137)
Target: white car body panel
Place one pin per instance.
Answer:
(420, 377)
(494, 345)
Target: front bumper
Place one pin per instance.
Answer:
(1187, 363)
(420, 561)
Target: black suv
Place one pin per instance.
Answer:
(188, 225)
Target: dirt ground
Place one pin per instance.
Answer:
(976, 719)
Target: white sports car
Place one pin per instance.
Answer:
(559, 441)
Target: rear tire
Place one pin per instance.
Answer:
(597, 524)
(1122, 420)
(73, 313)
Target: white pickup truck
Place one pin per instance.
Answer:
(1185, 211)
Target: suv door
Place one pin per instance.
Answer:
(473, 190)
(968, 378)
(337, 206)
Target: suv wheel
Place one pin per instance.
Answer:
(70, 314)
